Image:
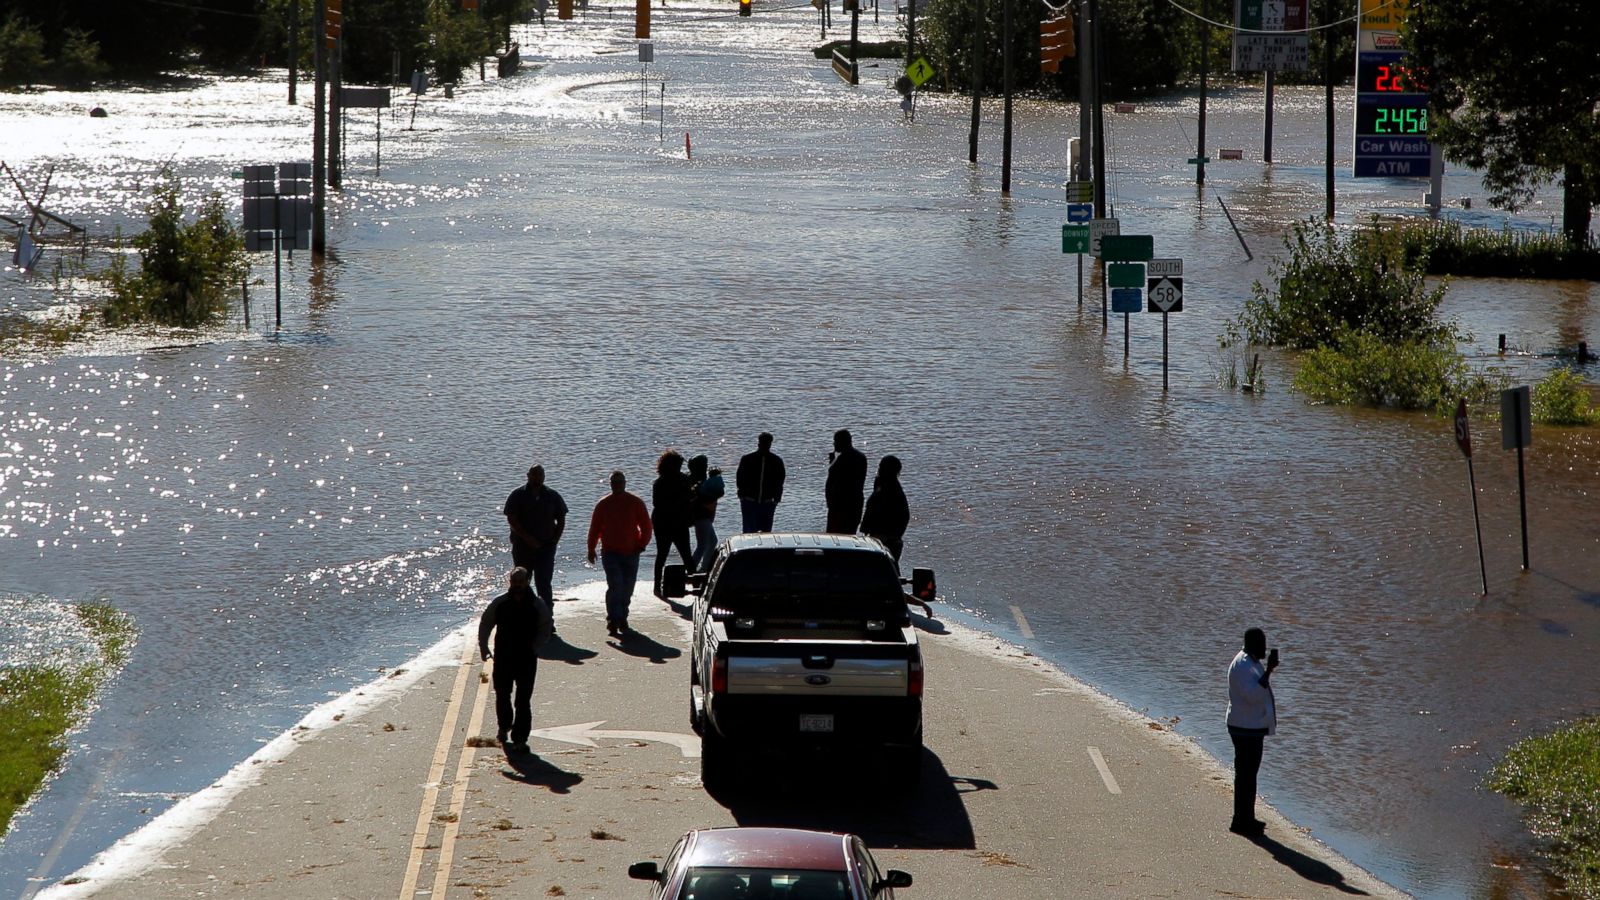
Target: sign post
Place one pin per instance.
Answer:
(1127, 248)
(1165, 290)
(1098, 229)
(1464, 441)
(1516, 432)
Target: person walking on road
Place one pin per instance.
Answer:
(759, 483)
(669, 500)
(1252, 715)
(621, 525)
(537, 516)
(707, 488)
(887, 515)
(521, 622)
(847, 482)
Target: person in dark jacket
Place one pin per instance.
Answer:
(759, 482)
(887, 514)
(537, 516)
(705, 484)
(846, 485)
(521, 622)
(669, 512)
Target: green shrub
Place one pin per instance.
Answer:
(1363, 369)
(1562, 398)
(1446, 248)
(22, 58)
(187, 272)
(1556, 778)
(1330, 284)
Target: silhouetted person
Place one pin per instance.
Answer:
(847, 482)
(621, 525)
(537, 516)
(669, 512)
(706, 488)
(887, 514)
(522, 623)
(759, 482)
(1252, 715)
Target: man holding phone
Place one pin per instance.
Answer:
(1252, 715)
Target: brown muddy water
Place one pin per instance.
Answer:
(538, 276)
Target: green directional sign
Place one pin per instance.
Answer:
(1075, 239)
(1123, 274)
(1128, 248)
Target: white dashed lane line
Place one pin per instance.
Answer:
(1105, 772)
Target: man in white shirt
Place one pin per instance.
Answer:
(1252, 715)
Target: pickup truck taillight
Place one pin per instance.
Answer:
(719, 675)
(914, 679)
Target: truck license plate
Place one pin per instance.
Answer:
(816, 722)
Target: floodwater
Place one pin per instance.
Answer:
(542, 273)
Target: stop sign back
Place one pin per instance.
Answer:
(1463, 436)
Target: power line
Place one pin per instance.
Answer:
(1231, 27)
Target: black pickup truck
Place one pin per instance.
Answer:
(804, 641)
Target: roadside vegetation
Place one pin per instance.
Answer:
(1556, 778)
(1446, 248)
(1562, 398)
(187, 271)
(39, 704)
(1365, 320)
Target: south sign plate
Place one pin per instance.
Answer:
(1166, 295)
(1166, 267)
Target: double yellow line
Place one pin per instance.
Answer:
(458, 793)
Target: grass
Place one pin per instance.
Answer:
(1446, 248)
(1556, 778)
(40, 704)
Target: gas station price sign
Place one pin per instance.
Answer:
(1391, 116)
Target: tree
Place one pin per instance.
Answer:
(1512, 91)
(21, 52)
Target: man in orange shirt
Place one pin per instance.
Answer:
(621, 524)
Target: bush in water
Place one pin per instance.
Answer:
(1562, 398)
(1364, 369)
(1556, 778)
(186, 273)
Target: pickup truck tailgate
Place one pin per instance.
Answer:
(818, 673)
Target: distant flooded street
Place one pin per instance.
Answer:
(541, 273)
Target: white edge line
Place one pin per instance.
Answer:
(142, 850)
(1105, 771)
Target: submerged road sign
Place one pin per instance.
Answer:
(1099, 229)
(1080, 192)
(1124, 275)
(1166, 295)
(1126, 300)
(1128, 247)
(1075, 239)
(1078, 213)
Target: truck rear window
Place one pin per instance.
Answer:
(781, 582)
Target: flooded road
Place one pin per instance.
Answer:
(540, 276)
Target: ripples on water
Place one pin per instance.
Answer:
(536, 277)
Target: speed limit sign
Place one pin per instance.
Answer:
(1165, 295)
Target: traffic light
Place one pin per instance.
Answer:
(744, 7)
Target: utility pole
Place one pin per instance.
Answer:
(1205, 71)
(294, 47)
(977, 82)
(1099, 142)
(1327, 65)
(336, 118)
(1085, 95)
(1266, 152)
(319, 172)
(1005, 56)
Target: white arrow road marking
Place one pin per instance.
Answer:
(584, 734)
(1105, 772)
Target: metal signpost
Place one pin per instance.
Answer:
(1080, 211)
(1098, 229)
(1391, 127)
(1464, 441)
(277, 216)
(1127, 248)
(368, 98)
(1516, 432)
(1165, 291)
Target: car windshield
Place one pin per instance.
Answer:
(705, 883)
(826, 584)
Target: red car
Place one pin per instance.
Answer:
(769, 864)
